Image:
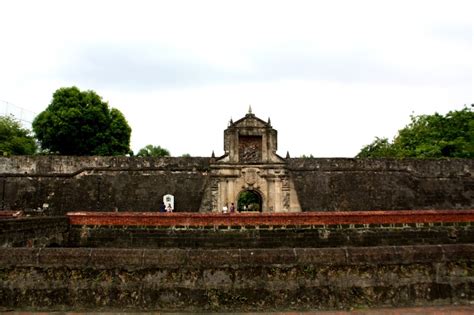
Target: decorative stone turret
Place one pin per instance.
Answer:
(250, 140)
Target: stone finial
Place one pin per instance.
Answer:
(269, 122)
(213, 155)
(250, 110)
(231, 121)
(287, 154)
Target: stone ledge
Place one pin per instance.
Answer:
(68, 166)
(20, 223)
(109, 258)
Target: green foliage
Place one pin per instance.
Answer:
(153, 151)
(15, 140)
(429, 136)
(80, 123)
(379, 148)
(186, 155)
(249, 199)
(304, 156)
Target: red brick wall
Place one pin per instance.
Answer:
(275, 219)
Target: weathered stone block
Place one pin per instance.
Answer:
(105, 258)
(19, 257)
(316, 256)
(217, 258)
(165, 258)
(71, 257)
(258, 256)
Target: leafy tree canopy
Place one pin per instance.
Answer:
(80, 123)
(250, 200)
(429, 136)
(154, 151)
(14, 139)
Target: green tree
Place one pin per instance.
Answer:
(429, 136)
(15, 140)
(81, 123)
(250, 200)
(379, 148)
(154, 151)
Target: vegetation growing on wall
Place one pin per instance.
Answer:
(81, 123)
(429, 136)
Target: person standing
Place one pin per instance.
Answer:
(162, 207)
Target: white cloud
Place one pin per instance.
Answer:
(331, 75)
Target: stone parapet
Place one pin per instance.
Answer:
(69, 166)
(235, 280)
(273, 230)
(417, 167)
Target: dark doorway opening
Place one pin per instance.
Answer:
(249, 200)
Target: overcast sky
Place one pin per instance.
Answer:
(331, 75)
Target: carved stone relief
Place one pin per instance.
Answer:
(250, 149)
(250, 176)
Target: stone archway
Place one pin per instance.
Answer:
(249, 200)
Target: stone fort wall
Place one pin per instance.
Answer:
(55, 185)
(230, 280)
(383, 184)
(253, 268)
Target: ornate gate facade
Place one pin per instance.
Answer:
(250, 163)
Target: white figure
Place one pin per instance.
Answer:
(168, 200)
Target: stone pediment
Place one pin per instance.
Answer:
(250, 121)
